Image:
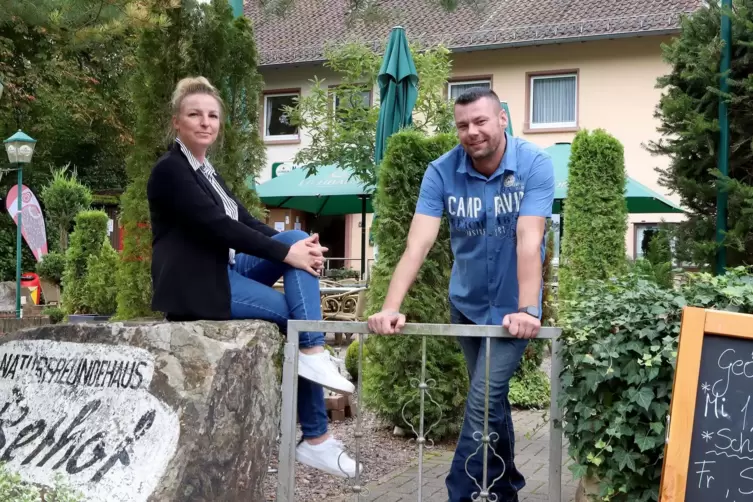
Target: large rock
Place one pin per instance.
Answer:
(150, 412)
(7, 296)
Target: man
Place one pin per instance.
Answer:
(497, 192)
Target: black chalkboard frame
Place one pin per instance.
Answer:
(696, 323)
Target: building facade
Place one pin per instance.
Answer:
(560, 66)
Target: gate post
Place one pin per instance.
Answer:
(555, 426)
(286, 468)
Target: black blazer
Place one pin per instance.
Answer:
(191, 241)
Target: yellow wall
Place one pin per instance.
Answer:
(617, 92)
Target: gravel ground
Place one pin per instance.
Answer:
(381, 453)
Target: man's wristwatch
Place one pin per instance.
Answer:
(531, 311)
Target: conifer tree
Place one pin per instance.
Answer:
(689, 114)
(193, 40)
(595, 215)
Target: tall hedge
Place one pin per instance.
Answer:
(158, 68)
(595, 214)
(393, 362)
(165, 55)
(240, 153)
(86, 240)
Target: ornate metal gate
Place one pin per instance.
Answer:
(286, 473)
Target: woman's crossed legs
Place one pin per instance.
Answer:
(252, 297)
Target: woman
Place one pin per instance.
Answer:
(212, 260)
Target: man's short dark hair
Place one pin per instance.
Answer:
(474, 94)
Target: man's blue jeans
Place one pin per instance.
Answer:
(503, 479)
(253, 297)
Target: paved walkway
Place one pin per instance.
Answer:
(532, 459)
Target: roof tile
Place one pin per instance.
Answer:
(302, 34)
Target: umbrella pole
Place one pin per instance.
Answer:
(363, 236)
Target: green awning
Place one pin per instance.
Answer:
(640, 198)
(331, 191)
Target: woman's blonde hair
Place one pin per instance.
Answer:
(188, 86)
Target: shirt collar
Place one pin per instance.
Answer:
(509, 161)
(195, 164)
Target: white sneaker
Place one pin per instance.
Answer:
(329, 457)
(320, 368)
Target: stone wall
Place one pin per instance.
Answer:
(11, 324)
(143, 412)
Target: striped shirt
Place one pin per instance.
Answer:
(231, 208)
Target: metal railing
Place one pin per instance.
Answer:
(286, 466)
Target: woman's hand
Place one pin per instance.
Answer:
(307, 254)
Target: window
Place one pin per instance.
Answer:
(365, 100)
(276, 124)
(555, 229)
(553, 101)
(455, 89)
(644, 233)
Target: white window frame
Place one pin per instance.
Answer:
(280, 137)
(637, 243)
(466, 82)
(551, 125)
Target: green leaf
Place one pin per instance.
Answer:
(644, 442)
(644, 397)
(657, 427)
(578, 470)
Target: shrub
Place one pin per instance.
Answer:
(338, 274)
(86, 240)
(619, 354)
(56, 314)
(660, 256)
(64, 197)
(394, 362)
(52, 267)
(529, 387)
(100, 291)
(13, 489)
(351, 359)
(595, 215)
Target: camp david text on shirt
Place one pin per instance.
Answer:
(483, 213)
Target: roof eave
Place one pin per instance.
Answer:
(511, 45)
(566, 40)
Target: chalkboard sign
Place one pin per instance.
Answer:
(709, 451)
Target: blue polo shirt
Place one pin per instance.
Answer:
(483, 215)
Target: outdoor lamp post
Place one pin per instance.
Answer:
(20, 148)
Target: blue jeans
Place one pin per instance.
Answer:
(253, 297)
(505, 359)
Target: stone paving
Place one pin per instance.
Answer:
(532, 459)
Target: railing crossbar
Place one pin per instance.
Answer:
(429, 329)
